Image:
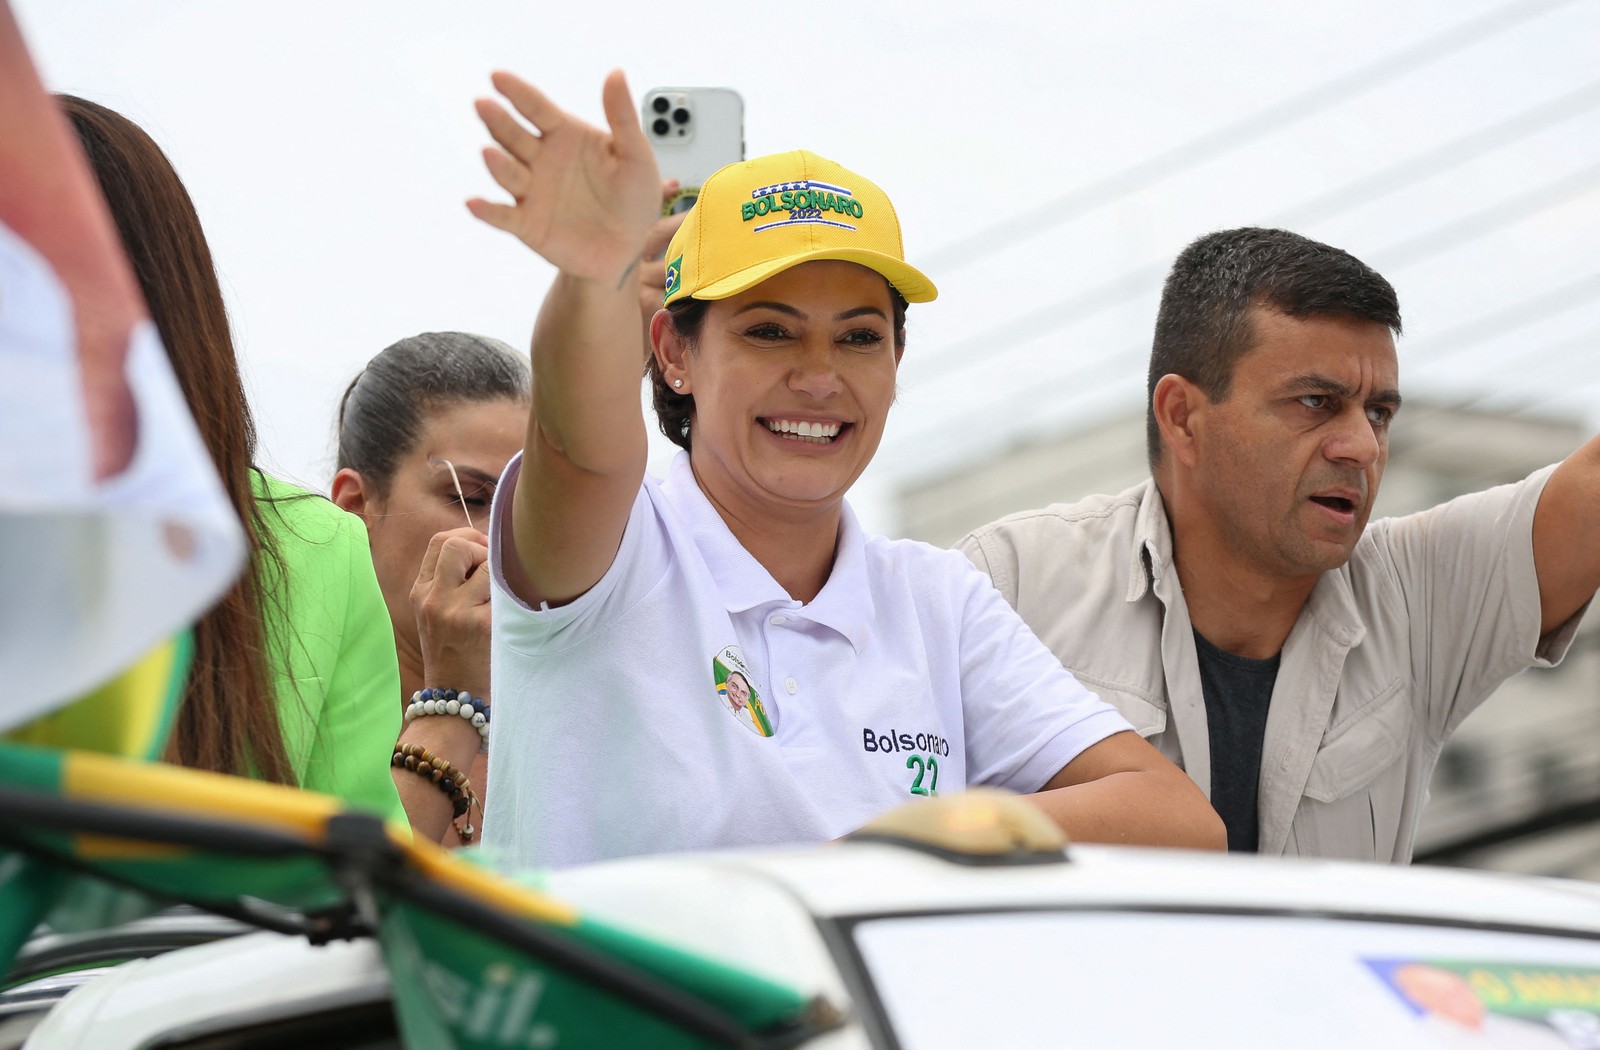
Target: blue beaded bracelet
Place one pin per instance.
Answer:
(462, 704)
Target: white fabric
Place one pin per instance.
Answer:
(94, 574)
(611, 738)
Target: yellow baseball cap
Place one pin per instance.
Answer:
(755, 218)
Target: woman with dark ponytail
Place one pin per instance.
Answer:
(424, 433)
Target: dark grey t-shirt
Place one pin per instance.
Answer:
(1237, 691)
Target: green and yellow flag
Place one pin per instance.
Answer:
(478, 960)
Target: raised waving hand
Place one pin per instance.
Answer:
(584, 197)
(587, 200)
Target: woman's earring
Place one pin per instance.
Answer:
(677, 384)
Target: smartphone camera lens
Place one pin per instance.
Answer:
(680, 116)
(660, 104)
(660, 126)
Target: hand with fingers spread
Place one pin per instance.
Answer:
(451, 601)
(584, 197)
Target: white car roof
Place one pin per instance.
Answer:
(759, 911)
(862, 879)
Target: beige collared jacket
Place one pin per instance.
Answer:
(1430, 614)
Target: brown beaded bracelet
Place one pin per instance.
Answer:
(450, 780)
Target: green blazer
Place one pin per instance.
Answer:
(332, 649)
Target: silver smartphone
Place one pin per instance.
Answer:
(694, 131)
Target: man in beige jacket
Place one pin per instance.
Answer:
(1303, 668)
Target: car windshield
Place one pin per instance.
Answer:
(1136, 980)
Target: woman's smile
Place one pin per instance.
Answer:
(812, 432)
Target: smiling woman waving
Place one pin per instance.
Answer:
(723, 657)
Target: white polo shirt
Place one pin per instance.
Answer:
(620, 725)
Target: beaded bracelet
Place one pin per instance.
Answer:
(451, 781)
(449, 702)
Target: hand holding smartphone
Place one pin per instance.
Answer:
(693, 131)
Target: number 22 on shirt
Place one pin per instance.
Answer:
(926, 780)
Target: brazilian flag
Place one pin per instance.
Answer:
(130, 716)
(480, 957)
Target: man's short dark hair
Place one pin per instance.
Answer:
(1203, 326)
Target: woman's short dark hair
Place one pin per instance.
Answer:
(675, 411)
(383, 409)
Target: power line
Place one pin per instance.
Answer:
(1355, 193)
(1501, 213)
(1443, 157)
(1400, 255)
(1229, 137)
(1519, 376)
(1104, 382)
(1584, 342)
(1548, 303)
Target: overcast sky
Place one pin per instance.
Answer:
(1046, 159)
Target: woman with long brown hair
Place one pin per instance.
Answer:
(294, 673)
